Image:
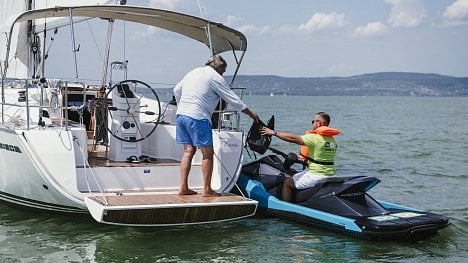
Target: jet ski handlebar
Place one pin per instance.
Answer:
(289, 159)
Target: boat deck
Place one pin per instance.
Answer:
(169, 209)
(98, 157)
(159, 199)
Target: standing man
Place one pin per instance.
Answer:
(320, 153)
(197, 95)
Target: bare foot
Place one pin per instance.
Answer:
(211, 194)
(187, 192)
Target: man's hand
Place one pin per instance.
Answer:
(267, 131)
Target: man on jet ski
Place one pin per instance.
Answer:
(320, 153)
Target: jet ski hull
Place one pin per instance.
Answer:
(340, 204)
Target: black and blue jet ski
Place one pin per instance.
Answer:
(338, 203)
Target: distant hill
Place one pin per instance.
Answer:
(375, 84)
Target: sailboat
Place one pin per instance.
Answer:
(107, 148)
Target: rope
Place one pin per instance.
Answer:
(106, 55)
(94, 39)
(17, 118)
(86, 162)
(229, 174)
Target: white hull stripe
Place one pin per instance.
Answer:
(17, 200)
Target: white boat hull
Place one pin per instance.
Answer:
(66, 144)
(47, 170)
(24, 179)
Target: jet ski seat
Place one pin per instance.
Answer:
(304, 194)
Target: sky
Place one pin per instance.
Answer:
(311, 38)
(307, 38)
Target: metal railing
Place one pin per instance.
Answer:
(24, 99)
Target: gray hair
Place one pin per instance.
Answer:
(216, 61)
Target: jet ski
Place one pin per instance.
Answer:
(339, 203)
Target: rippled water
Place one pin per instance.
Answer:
(418, 147)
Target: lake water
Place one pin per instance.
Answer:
(417, 146)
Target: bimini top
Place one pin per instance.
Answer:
(223, 38)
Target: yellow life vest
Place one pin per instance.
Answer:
(322, 130)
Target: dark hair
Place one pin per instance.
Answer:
(216, 61)
(324, 115)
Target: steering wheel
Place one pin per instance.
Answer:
(133, 96)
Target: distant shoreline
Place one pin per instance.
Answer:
(375, 84)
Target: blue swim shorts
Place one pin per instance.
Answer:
(192, 131)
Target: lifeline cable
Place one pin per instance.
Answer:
(232, 177)
(86, 162)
